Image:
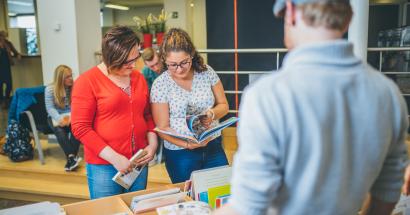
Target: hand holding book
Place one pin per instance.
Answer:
(200, 137)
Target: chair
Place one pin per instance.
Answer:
(35, 118)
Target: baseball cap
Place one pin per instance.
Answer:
(280, 5)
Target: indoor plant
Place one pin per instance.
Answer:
(145, 26)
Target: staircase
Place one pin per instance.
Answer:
(31, 181)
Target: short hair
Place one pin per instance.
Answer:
(116, 45)
(148, 54)
(176, 40)
(333, 15)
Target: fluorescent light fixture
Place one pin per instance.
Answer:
(118, 7)
(12, 14)
(20, 3)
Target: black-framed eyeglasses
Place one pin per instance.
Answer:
(184, 64)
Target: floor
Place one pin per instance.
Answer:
(3, 120)
(7, 203)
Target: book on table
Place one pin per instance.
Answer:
(126, 180)
(211, 185)
(199, 135)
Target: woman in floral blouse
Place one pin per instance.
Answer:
(187, 87)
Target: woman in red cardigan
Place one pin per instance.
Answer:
(111, 115)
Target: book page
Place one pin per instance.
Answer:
(218, 128)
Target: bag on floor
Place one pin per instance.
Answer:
(18, 147)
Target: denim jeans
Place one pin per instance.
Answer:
(181, 163)
(100, 183)
(65, 138)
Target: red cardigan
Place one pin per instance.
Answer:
(102, 114)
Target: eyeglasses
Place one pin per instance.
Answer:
(184, 64)
(132, 61)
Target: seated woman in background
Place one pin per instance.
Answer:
(58, 98)
(188, 87)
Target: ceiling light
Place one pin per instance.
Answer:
(27, 4)
(118, 7)
(12, 14)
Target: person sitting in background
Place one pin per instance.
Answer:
(7, 51)
(58, 98)
(153, 67)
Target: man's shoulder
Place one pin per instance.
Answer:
(267, 81)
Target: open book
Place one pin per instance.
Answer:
(200, 136)
(126, 180)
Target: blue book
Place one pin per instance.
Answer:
(201, 136)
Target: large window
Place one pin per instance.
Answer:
(22, 17)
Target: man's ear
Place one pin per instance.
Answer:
(290, 13)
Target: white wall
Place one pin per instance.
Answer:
(198, 23)
(57, 47)
(179, 6)
(62, 46)
(88, 32)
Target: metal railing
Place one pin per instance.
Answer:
(278, 51)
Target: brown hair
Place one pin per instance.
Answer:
(176, 40)
(148, 54)
(117, 44)
(333, 15)
(58, 85)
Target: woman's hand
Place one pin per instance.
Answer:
(192, 145)
(122, 164)
(65, 121)
(151, 150)
(207, 120)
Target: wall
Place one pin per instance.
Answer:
(88, 44)
(27, 72)
(3, 15)
(57, 47)
(198, 23)
(179, 6)
(70, 37)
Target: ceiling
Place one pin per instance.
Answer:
(27, 6)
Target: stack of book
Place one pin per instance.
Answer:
(211, 186)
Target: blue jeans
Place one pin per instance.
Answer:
(100, 183)
(181, 163)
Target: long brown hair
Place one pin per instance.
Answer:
(117, 44)
(60, 74)
(176, 40)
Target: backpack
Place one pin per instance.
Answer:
(17, 146)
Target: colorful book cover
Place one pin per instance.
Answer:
(214, 192)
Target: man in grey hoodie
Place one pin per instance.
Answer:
(328, 129)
